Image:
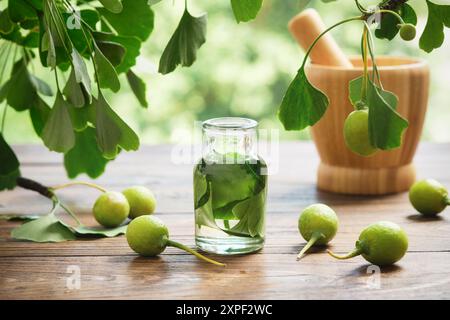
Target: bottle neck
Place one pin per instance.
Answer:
(229, 145)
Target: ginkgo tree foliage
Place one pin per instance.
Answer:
(89, 48)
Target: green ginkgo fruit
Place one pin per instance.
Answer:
(382, 243)
(429, 197)
(141, 200)
(111, 209)
(356, 133)
(408, 31)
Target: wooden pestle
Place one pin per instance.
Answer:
(306, 27)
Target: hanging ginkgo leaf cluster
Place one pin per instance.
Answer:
(86, 46)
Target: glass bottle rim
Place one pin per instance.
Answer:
(230, 123)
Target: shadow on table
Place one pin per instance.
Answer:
(367, 270)
(314, 249)
(340, 198)
(421, 218)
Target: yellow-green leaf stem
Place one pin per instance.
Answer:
(70, 212)
(370, 46)
(316, 236)
(367, 48)
(78, 183)
(195, 253)
(325, 32)
(365, 64)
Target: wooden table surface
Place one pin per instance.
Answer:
(109, 269)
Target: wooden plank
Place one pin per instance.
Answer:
(268, 276)
(282, 234)
(110, 269)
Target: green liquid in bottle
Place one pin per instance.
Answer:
(230, 204)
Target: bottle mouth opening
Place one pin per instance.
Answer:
(230, 123)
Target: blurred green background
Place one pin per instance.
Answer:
(244, 70)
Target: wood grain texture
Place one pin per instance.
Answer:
(109, 269)
(388, 171)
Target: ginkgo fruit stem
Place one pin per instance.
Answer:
(354, 253)
(391, 12)
(447, 201)
(78, 183)
(195, 253)
(316, 236)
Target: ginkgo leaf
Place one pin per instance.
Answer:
(182, 48)
(20, 10)
(251, 215)
(107, 75)
(79, 117)
(39, 113)
(100, 231)
(41, 86)
(138, 87)
(75, 92)
(201, 188)
(45, 229)
(81, 72)
(112, 131)
(6, 25)
(58, 134)
(135, 20)
(386, 125)
(204, 215)
(115, 6)
(85, 156)
(246, 10)
(80, 230)
(9, 168)
(19, 83)
(355, 93)
(226, 212)
(303, 104)
(113, 51)
(132, 46)
(433, 34)
(48, 45)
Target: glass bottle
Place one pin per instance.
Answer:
(230, 188)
